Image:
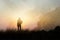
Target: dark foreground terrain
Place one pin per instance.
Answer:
(26, 35)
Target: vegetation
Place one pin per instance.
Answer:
(43, 35)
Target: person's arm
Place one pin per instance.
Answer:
(21, 21)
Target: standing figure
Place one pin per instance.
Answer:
(19, 22)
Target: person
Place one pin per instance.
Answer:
(19, 22)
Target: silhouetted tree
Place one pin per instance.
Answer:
(57, 28)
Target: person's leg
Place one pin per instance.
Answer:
(18, 28)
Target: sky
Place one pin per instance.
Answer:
(30, 11)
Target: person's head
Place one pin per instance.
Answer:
(19, 20)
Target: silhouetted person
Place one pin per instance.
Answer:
(19, 22)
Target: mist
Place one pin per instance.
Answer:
(38, 14)
(50, 20)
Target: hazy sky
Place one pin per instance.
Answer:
(29, 11)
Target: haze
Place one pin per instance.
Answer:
(31, 12)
